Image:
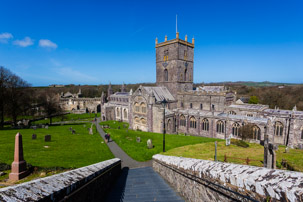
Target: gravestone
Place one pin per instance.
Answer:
(71, 129)
(73, 132)
(118, 127)
(124, 125)
(47, 138)
(43, 126)
(227, 141)
(286, 149)
(84, 126)
(138, 139)
(149, 144)
(90, 131)
(270, 157)
(34, 136)
(46, 127)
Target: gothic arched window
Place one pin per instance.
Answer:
(137, 107)
(165, 75)
(143, 107)
(192, 122)
(256, 133)
(302, 133)
(232, 112)
(201, 106)
(125, 113)
(205, 124)
(191, 105)
(143, 121)
(182, 120)
(278, 129)
(118, 112)
(236, 129)
(185, 72)
(220, 127)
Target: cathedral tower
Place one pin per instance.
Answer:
(175, 64)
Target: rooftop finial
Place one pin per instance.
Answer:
(176, 23)
(185, 37)
(165, 38)
(156, 40)
(193, 40)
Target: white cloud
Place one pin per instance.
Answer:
(24, 42)
(74, 76)
(45, 43)
(4, 37)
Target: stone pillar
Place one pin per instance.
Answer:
(19, 169)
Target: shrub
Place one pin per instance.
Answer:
(239, 143)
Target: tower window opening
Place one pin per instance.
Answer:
(165, 75)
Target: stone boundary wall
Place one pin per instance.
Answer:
(202, 180)
(90, 183)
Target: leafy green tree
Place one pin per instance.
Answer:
(253, 100)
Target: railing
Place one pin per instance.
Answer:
(247, 160)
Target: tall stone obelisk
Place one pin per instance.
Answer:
(19, 169)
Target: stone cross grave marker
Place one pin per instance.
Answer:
(270, 157)
(138, 139)
(90, 131)
(227, 141)
(47, 138)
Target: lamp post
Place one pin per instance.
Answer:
(164, 102)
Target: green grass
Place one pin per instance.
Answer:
(126, 139)
(254, 151)
(65, 149)
(70, 117)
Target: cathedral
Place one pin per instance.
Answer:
(208, 111)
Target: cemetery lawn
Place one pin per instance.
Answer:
(206, 151)
(70, 117)
(126, 139)
(64, 151)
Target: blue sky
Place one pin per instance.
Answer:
(95, 42)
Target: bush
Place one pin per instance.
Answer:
(239, 143)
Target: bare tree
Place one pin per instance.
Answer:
(246, 131)
(4, 77)
(49, 101)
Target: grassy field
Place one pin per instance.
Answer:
(65, 149)
(70, 117)
(126, 139)
(254, 151)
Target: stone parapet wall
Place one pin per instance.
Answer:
(202, 180)
(90, 183)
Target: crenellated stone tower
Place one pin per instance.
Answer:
(175, 64)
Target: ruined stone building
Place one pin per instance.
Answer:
(209, 111)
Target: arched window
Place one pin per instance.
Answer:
(125, 114)
(191, 105)
(182, 105)
(185, 73)
(201, 106)
(220, 127)
(236, 129)
(118, 112)
(182, 120)
(205, 124)
(169, 125)
(192, 122)
(232, 112)
(278, 129)
(143, 121)
(137, 107)
(256, 133)
(165, 75)
(143, 107)
(302, 133)
(137, 120)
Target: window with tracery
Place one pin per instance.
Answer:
(205, 124)
(256, 133)
(220, 127)
(278, 129)
(192, 122)
(236, 129)
(182, 120)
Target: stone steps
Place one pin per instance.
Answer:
(144, 185)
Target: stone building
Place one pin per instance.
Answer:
(78, 104)
(209, 111)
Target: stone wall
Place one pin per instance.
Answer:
(202, 180)
(90, 183)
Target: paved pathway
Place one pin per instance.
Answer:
(119, 153)
(142, 184)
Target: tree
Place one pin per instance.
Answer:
(253, 100)
(50, 103)
(246, 131)
(4, 76)
(19, 100)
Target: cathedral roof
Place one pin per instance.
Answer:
(160, 93)
(212, 89)
(249, 106)
(241, 117)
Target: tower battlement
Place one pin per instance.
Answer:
(176, 40)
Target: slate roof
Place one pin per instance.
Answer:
(213, 89)
(160, 93)
(241, 117)
(283, 112)
(250, 107)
